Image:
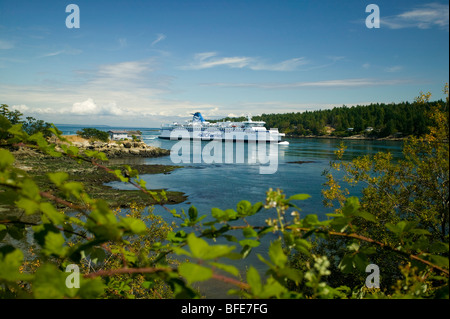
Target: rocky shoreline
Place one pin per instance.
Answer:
(94, 179)
(114, 149)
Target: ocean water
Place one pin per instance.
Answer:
(299, 168)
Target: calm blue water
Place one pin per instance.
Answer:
(224, 185)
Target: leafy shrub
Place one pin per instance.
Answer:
(93, 133)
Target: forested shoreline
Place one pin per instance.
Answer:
(378, 120)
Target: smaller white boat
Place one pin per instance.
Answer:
(283, 143)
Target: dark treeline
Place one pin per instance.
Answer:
(374, 120)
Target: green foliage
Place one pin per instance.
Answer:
(30, 125)
(93, 133)
(385, 119)
(407, 199)
(400, 224)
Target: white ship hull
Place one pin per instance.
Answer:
(219, 135)
(248, 131)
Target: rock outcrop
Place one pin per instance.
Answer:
(123, 149)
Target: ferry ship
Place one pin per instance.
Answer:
(199, 129)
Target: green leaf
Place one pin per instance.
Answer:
(245, 251)
(303, 246)
(346, 264)
(29, 206)
(193, 213)
(91, 288)
(403, 227)
(49, 283)
(177, 237)
(249, 232)
(228, 268)
(97, 255)
(367, 216)
(419, 231)
(439, 247)
(354, 246)
(272, 288)
(277, 255)
(54, 244)
(339, 224)
(118, 174)
(30, 190)
(439, 260)
(39, 139)
(133, 225)
(18, 132)
(257, 207)
(6, 159)
(351, 261)
(201, 249)
(290, 273)
(198, 246)
(52, 214)
(244, 208)
(310, 220)
(393, 228)
(249, 242)
(299, 197)
(73, 188)
(351, 206)
(3, 231)
(221, 215)
(360, 261)
(193, 272)
(254, 280)
(10, 260)
(41, 231)
(103, 222)
(101, 156)
(17, 231)
(58, 178)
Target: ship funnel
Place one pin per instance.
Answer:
(198, 117)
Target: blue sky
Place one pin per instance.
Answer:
(142, 63)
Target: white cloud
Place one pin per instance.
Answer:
(124, 70)
(343, 83)
(159, 38)
(423, 17)
(21, 108)
(208, 60)
(85, 108)
(68, 51)
(394, 68)
(287, 65)
(89, 107)
(52, 54)
(113, 92)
